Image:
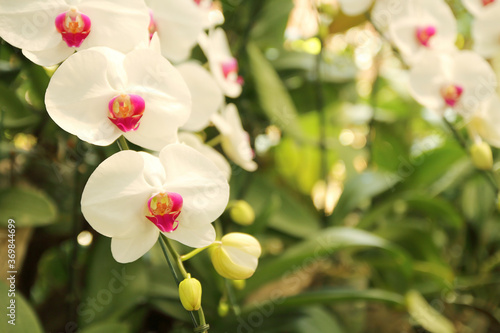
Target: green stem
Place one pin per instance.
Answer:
(214, 141)
(122, 143)
(488, 175)
(203, 326)
(232, 299)
(174, 273)
(191, 254)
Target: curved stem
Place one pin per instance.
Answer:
(122, 143)
(203, 326)
(191, 254)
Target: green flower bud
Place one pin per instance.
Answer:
(223, 308)
(481, 155)
(242, 213)
(190, 293)
(236, 256)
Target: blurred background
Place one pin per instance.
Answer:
(371, 215)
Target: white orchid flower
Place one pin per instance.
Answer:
(99, 94)
(178, 24)
(195, 142)
(486, 33)
(459, 80)
(133, 196)
(355, 7)
(206, 95)
(425, 25)
(235, 140)
(479, 8)
(485, 122)
(223, 65)
(50, 31)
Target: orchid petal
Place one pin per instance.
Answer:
(115, 196)
(206, 95)
(128, 249)
(192, 234)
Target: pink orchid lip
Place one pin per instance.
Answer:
(487, 2)
(424, 34)
(451, 94)
(125, 111)
(230, 70)
(73, 26)
(152, 28)
(165, 208)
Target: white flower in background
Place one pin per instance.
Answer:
(235, 140)
(133, 196)
(355, 7)
(486, 33)
(206, 95)
(425, 25)
(50, 31)
(485, 122)
(223, 65)
(479, 8)
(179, 23)
(100, 94)
(237, 256)
(213, 155)
(460, 80)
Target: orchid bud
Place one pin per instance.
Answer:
(239, 284)
(190, 293)
(223, 308)
(242, 213)
(236, 256)
(481, 155)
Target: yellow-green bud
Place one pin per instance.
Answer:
(236, 256)
(242, 213)
(481, 155)
(223, 308)
(190, 293)
(239, 284)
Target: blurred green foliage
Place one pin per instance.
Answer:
(412, 245)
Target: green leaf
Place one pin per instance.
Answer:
(113, 289)
(14, 112)
(26, 320)
(361, 188)
(318, 319)
(38, 82)
(107, 327)
(426, 315)
(28, 207)
(171, 308)
(332, 295)
(326, 242)
(274, 97)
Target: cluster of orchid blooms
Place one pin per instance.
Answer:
(126, 71)
(443, 78)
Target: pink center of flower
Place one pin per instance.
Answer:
(165, 208)
(125, 111)
(424, 34)
(197, 2)
(152, 25)
(487, 2)
(230, 71)
(73, 26)
(451, 94)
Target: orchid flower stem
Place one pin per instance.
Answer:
(232, 299)
(122, 143)
(214, 141)
(191, 254)
(164, 241)
(490, 177)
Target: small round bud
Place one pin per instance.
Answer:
(236, 256)
(481, 155)
(223, 308)
(190, 293)
(242, 213)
